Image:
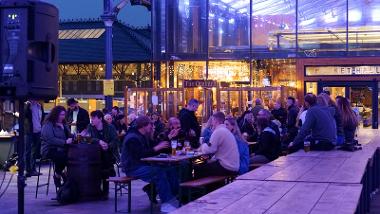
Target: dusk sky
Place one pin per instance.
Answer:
(75, 9)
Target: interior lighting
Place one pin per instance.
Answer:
(330, 18)
(211, 15)
(244, 10)
(221, 20)
(376, 15)
(231, 21)
(307, 22)
(354, 15)
(221, 31)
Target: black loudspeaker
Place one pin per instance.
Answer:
(29, 49)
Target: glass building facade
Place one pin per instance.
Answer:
(262, 49)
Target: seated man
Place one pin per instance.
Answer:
(226, 160)
(138, 145)
(320, 123)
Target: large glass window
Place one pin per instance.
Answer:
(229, 26)
(229, 71)
(321, 26)
(364, 25)
(273, 24)
(186, 26)
(274, 72)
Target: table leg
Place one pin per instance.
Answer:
(129, 196)
(151, 195)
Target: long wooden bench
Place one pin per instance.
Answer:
(121, 183)
(202, 183)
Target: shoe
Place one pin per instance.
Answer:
(147, 190)
(167, 208)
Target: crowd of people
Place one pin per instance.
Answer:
(321, 121)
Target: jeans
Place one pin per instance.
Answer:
(32, 151)
(59, 158)
(164, 178)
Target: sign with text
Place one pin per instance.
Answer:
(342, 70)
(108, 88)
(199, 83)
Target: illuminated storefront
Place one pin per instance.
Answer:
(246, 46)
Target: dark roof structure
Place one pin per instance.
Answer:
(84, 42)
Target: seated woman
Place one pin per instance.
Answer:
(207, 131)
(349, 120)
(105, 135)
(231, 125)
(55, 135)
(269, 145)
(247, 127)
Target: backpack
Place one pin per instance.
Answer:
(68, 193)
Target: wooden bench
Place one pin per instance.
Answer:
(253, 166)
(121, 183)
(202, 183)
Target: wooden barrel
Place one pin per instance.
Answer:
(84, 167)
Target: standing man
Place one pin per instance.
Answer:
(34, 114)
(189, 122)
(292, 129)
(77, 117)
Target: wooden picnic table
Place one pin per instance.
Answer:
(170, 159)
(250, 196)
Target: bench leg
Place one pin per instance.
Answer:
(115, 197)
(129, 196)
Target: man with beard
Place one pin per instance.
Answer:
(138, 145)
(77, 117)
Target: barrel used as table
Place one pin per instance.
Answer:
(84, 167)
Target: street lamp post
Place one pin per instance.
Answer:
(108, 18)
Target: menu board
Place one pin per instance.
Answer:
(342, 70)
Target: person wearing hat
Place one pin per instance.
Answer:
(77, 117)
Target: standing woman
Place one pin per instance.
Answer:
(349, 119)
(231, 124)
(105, 134)
(55, 135)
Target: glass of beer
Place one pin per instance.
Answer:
(187, 145)
(174, 147)
(306, 146)
(201, 140)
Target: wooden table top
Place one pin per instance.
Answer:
(249, 196)
(172, 159)
(331, 167)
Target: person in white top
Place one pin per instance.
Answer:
(226, 160)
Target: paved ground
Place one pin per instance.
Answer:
(44, 205)
(140, 203)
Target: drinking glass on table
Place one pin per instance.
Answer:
(174, 147)
(187, 145)
(306, 146)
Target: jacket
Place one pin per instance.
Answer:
(292, 117)
(189, 121)
(269, 144)
(135, 147)
(320, 123)
(244, 155)
(53, 137)
(109, 136)
(28, 122)
(281, 115)
(82, 120)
